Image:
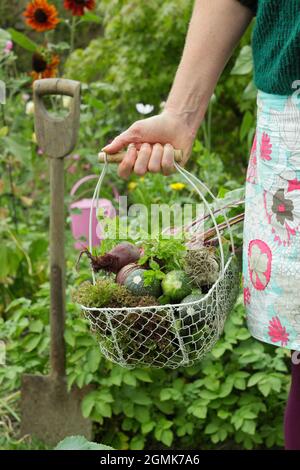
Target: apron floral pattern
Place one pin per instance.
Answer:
(271, 250)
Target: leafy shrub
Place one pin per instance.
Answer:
(233, 398)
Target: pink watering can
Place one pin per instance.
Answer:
(80, 213)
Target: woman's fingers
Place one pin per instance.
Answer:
(154, 165)
(126, 166)
(142, 161)
(144, 157)
(167, 163)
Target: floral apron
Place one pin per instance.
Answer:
(271, 250)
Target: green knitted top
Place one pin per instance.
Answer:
(276, 44)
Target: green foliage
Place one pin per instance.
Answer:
(22, 40)
(234, 398)
(168, 251)
(134, 34)
(80, 443)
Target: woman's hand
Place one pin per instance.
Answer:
(151, 144)
(214, 30)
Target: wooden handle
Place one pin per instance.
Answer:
(56, 135)
(56, 86)
(57, 268)
(118, 157)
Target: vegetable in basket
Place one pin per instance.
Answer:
(137, 329)
(135, 283)
(176, 285)
(125, 271)
(187, 314)
(202, 266)
(121, 255)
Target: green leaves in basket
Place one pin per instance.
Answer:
(167, 253)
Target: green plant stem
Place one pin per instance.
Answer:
(209, 116)
(18, 244)
(13, 198)
(3, 115)
(72, 37)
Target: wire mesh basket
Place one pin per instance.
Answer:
(172, 335)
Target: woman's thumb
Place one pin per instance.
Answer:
(120, 141)
(116, 145)
(132, 135)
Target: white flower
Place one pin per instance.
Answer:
(144, 108)
(258, 265)
(29, 107)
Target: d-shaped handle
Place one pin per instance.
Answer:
(56, 135)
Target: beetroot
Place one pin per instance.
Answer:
(121, 255)
(125, 271)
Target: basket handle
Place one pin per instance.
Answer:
(92, 177)
(191, 179)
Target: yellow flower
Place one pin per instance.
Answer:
(132, 185)
(177, 186)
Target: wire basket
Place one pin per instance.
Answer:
(172, 335)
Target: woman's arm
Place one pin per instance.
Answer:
(215, 28)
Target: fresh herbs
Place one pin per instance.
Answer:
(167, 253)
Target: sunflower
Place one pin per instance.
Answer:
(44, 67)
(77, 6)
(41, 16)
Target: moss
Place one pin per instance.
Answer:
(106, 293)
(202, 266)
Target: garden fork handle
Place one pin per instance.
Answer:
(57, 137)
